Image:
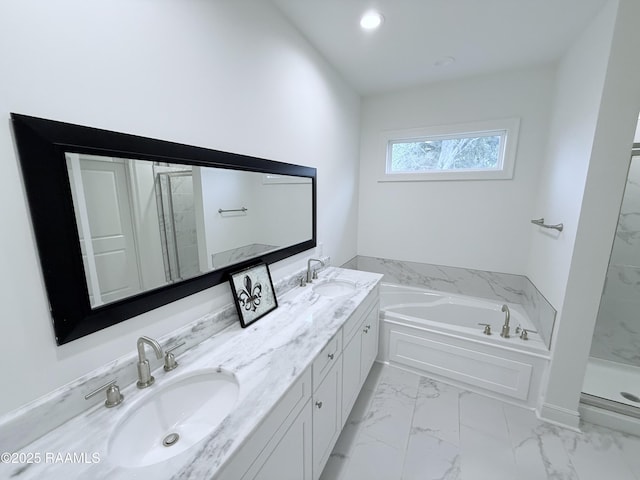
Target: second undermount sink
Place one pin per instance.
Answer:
(334, 288)
(173, 418)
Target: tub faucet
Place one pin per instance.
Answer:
(507, 316)
(311, 272)
(145, 379)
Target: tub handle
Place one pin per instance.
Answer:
(487, 328)
(525, 333)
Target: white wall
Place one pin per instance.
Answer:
(270, 219)
(578, 91)
(597, 104)
(294, 200)
(233, 76)
(227, 189)
(147, 225)
(473, 224)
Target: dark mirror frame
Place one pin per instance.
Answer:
(41, 146)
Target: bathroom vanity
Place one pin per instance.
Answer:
(268, 401)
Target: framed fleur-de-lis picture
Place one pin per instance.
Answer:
(253, 293)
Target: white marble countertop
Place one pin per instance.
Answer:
(266, 358)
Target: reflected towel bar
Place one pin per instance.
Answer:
(540, 223)
(243, 209)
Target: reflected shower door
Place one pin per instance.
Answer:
(177, 217)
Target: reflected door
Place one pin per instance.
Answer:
(111, 259)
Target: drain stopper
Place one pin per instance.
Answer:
(170, 439)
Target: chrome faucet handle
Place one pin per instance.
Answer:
(314, 275)
(170, 359)
(525, 333)
(114, 397)
(487, 328)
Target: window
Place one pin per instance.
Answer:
(481, 150)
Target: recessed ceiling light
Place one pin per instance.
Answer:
(371, 20)
(444, 61)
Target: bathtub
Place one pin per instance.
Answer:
(438, 334)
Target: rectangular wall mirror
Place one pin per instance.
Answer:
(125, 224)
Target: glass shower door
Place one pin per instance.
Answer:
(612, 379)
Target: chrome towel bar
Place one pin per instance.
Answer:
(243, 209)
(540, 223)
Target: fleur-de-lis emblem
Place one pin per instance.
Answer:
(249, 298)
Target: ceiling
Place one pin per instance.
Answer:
(482, 35)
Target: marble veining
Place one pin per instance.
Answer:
(23, 425)
(453, 434)
(617, 334)
(267, 357)
(502, 287)
(221, 259)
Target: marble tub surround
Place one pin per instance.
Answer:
(24, 425)
(266, 358)
(235, 255)
(502, 287)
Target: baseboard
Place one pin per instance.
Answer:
(603, 412)
(560, 416)
(609, 419)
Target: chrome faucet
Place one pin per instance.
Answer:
(311, 274)
(507, 316)
(145, 379)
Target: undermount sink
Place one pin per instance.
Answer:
(173, 418)
(334, 288)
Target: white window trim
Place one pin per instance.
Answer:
(509, 125)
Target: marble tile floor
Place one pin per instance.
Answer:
(409, 427)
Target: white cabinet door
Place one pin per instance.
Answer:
(327, 417)
(351, 380)
(291, 459)
(369, 342)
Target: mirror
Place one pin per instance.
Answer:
(154, 224)
(125, 224)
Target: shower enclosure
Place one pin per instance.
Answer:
(177, 220)
(612, 379)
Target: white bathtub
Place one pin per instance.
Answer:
(437, 334)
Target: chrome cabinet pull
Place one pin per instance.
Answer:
(319, 404)
(330, 356)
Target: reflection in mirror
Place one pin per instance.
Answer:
(151, 224)
(125, 224)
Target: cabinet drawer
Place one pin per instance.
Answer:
(326, 358)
